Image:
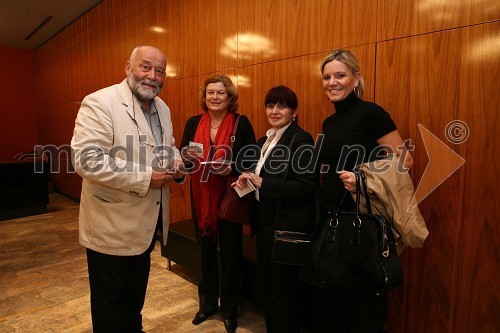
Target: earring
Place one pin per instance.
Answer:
(356, 91)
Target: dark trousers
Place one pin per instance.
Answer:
(229, 239)
(117, 290)
(345, 310)
(280, 285)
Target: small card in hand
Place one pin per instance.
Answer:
(196, 146)
(241, 192)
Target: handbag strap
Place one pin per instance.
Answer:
(358, 193)
(365, 192)
(369, 206)
(232, 138)
(358, 196)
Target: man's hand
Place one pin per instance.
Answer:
(179, 169)
(159, 177)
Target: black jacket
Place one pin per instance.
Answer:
(296, 193)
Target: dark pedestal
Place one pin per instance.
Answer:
(23, 190)
(182, 247)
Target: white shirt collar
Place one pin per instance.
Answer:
(278, 133)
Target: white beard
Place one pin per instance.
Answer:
(142, 93)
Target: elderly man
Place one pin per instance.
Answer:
(124, 150)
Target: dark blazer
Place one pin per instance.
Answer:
(296, 193)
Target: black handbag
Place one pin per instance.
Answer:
(357, 250)
(290, 247)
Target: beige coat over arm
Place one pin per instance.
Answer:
(391, 190)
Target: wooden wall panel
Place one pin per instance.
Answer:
(477, 291)
(170, 41)
(227, 29)
(182, 98)
(99, 18)
(122, 9)
(303, 76)
(434, 88)
(204, 44)
(42, 90)
(56, 129)
(401, 18)
(443, 77)
(106, 67)
(430, 276)
(478, 106)
(48, 73)
(189, 46)
(57, 123)
(300, 75)
(195, 32)
(395, 319)
(271, 30)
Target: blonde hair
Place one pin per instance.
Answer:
(349, 59)
(231, 89)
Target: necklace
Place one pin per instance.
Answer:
(214, 127)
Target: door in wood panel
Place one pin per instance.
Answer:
(270, 30)
(400, 18)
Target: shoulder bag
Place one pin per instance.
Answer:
(357, 250)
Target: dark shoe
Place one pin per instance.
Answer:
(201, 317)
(230, 325)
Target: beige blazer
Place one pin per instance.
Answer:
(118, 210)
(391, 191)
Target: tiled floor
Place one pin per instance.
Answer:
(44, 282)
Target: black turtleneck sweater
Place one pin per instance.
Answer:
(350, 138)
